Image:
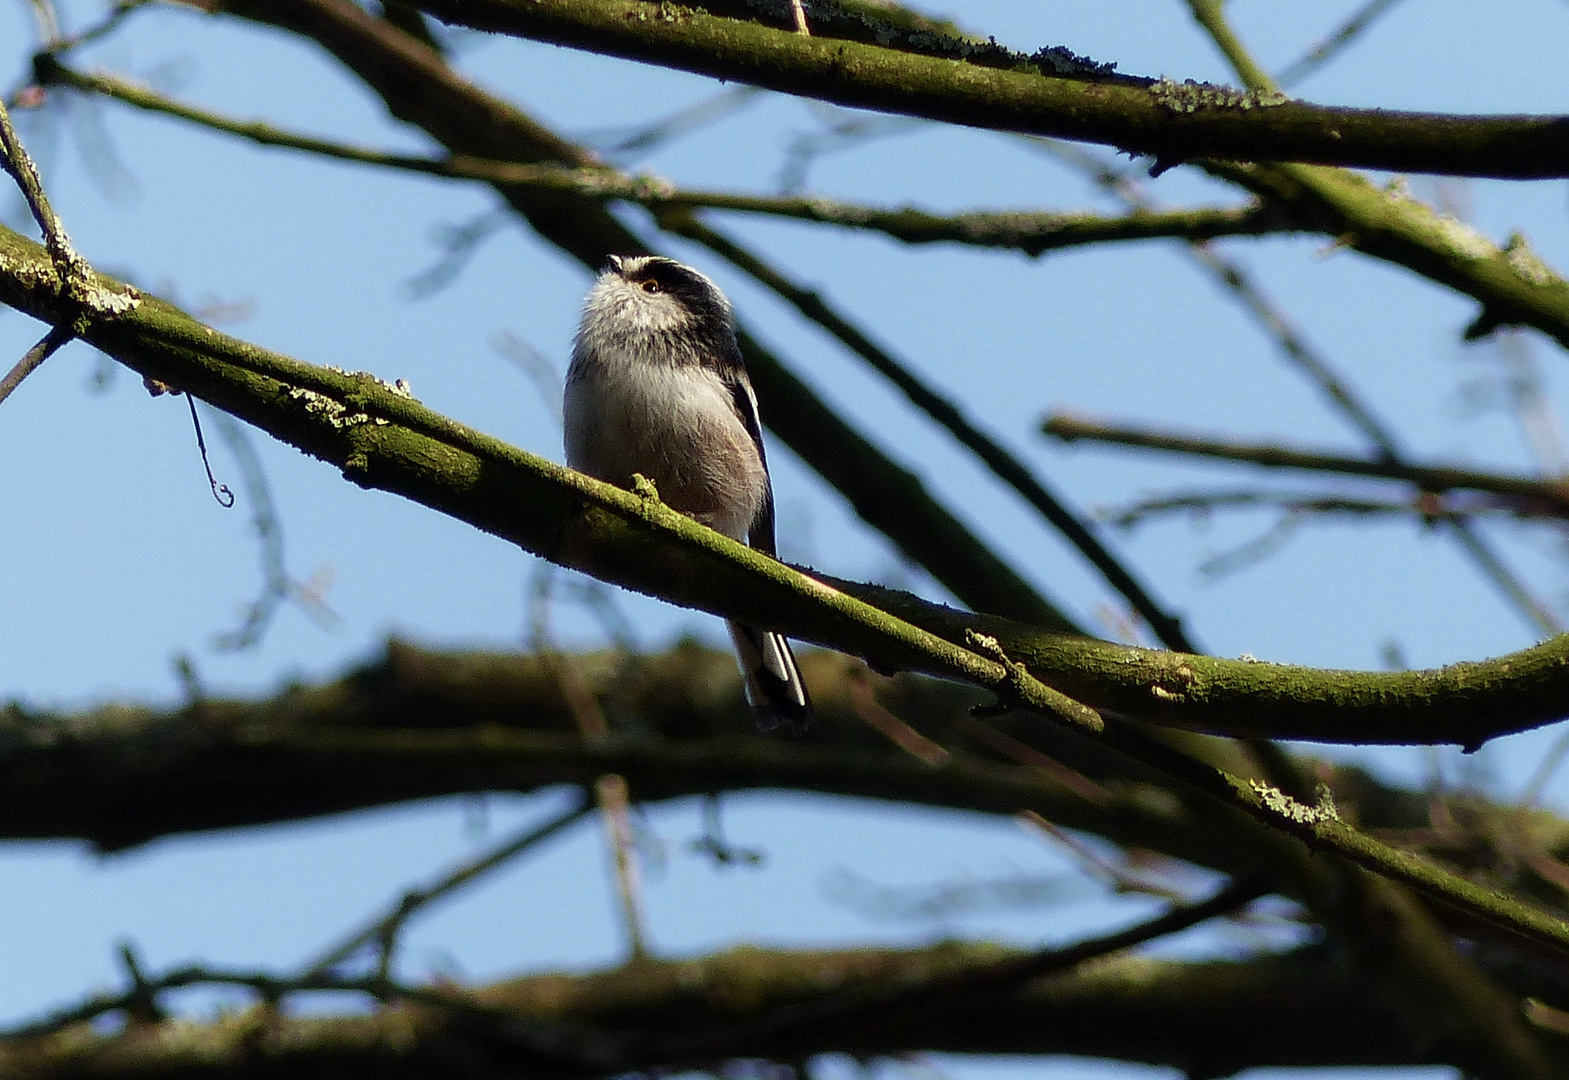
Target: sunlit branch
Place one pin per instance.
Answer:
(1528, 494)
(1171, 121)
(1318, 370)
(384, 439)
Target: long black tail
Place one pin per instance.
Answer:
(773, 679)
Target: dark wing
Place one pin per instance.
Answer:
(761, 535)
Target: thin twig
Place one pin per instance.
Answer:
(799, 14)
(47, 346)
(1295, 349)
(1032, 232)
(610, 790)
(1545, 769)
(220, 492)
(628, 141)
(48, 21)
(1326, 50)
(1210, 14)
(1428, 507)
(383, 929)
(1549, 495)
(101, 29)
(278, 585)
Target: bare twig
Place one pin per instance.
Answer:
(610, 790)
(220, 492)
(1210, 14)
(799, 15)
(1430, 507)
(627, 142)
(871, 712)
(278, 585)
(99, 30)
(48, 21)
(33, 358)
(383, 930)
(1547, 496)
(1326, 50)
(1033, 232)
(1318, 369)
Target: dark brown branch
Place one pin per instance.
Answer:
(1206, 1019)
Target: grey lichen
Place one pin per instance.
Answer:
(1525, 262)
(336, 412)
(1278, 802)
(1191, 97)
(112, 303)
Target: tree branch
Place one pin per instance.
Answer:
(1171, 121)
(383, 439)
(1033, 232)
(1206, 1019)
(1541, 496)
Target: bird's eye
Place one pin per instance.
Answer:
(650, 286)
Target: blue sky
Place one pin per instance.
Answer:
(118, 560)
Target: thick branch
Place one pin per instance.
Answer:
(383, 439)
(1173, 122)
(1208, 1019)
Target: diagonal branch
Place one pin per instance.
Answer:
(1167, 628)
(382, 438)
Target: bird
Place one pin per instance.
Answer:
(657, 386)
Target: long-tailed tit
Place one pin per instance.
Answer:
(657, 386)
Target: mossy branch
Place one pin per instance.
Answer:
(990, 88)
(1211, 1019)
(383, 439)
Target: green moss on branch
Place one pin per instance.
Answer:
(1173, 122)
